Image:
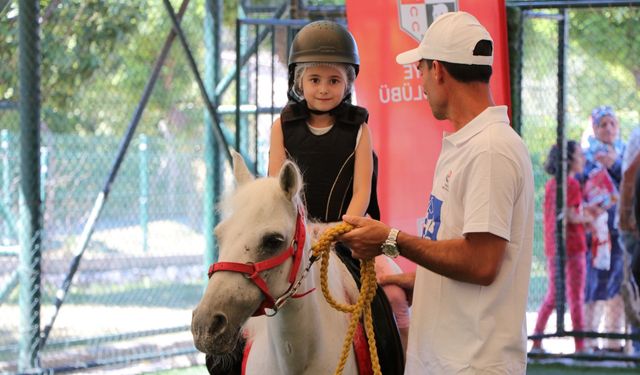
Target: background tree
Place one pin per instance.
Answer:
(78, 39)
(96, 58)
(611, 35)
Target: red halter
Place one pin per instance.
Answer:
(252, 270)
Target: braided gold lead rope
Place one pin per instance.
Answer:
(363, 306)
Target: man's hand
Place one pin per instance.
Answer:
(403, 280)
(366, 238)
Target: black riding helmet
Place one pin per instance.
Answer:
(322, 42)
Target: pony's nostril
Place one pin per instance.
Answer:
(218, 325)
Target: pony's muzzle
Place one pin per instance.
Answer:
(210, 335)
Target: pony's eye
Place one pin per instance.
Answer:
(272, 242)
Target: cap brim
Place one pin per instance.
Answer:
(409, 57)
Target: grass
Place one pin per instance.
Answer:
(562, 369)
(532, 369)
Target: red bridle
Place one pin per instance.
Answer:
(252, 270)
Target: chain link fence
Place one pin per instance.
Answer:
(143, 269)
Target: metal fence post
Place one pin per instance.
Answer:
(242, 85)
(515, 24)
(29, 197)
(212, 150)
(561, 175)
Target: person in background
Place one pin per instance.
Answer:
(575, 241)
(629, 233)
(604, 274)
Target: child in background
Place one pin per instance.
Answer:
(576, 246)
(328, 138)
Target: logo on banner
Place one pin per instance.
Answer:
(417, 15)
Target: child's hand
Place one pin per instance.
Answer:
(403, 280)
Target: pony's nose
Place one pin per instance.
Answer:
(201, 326)
(218, 324)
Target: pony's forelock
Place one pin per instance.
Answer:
(245, 195)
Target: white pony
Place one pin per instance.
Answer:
(261, 227)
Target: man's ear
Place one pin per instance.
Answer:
(438, 71)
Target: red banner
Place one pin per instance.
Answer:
(406, 136)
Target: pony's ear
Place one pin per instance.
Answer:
(240, 170)
(290, 179)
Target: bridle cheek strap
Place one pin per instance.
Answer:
(252, 270)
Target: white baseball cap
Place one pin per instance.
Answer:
(451, 38)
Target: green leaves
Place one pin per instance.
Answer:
(78, 39)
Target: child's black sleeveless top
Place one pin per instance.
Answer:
(327, 161)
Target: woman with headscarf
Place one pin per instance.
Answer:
(605, 256)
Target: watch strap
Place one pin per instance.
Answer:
(393, 236)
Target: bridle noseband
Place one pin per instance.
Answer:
(270, 305)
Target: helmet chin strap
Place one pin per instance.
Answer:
(316, 112)
(332, 111)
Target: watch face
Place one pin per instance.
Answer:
(390, 250)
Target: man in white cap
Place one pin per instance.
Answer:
(474, 257)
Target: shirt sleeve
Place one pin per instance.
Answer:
(492, 186)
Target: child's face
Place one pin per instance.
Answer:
(576, 164)
(323, 87)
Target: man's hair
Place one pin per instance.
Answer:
(470, 73)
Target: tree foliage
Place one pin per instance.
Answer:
(77, 38)
(611, 35)
(96, 59)
(603, 61)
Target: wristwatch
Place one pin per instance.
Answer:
(390, 246)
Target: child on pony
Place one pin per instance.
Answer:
(329, 140)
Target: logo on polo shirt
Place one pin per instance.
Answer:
(445, 186)
(432, 221)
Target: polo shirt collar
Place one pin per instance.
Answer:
(487, 117)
